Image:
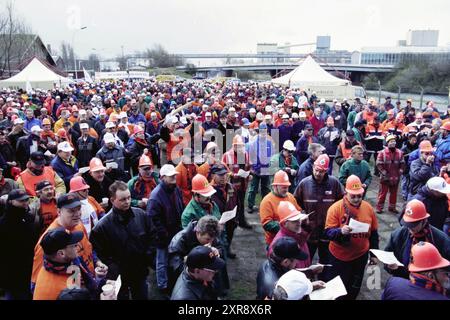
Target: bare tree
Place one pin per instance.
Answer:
(93, 62)
(15, 39)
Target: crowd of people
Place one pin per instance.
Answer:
(102, 182)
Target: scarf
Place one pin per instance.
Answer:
(48, 134)
(141, 141)
(87, 279)
(423, 235)
(426, 283)
(144, 187)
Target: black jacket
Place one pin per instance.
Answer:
(86, 150)
(180, 246)
(98, 190)
(164, 209)
(400, 243)
(268, 275)
(187, 288)
(436, 207)
(123, 241)
(23, 149)
(18, 236)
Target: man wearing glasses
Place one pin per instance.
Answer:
(349, 249)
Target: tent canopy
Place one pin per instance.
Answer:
(309, 73)
(38, 75)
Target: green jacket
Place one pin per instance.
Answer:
(351, 119)
(194, 211)
(277, 163)
(361, 169)
(135, 196)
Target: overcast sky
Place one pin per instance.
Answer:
(229, 26)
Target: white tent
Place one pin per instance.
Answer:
(36, 74)
(309, 73)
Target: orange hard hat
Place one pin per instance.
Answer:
(322, 162)
(62, 133)
(287, 211)
(96, 164)
(281, 178)
(354, 185)
(201, 185)
(237, 140)
(145, 161)
(446, 126)
(425, 146)
(78, 184)
(415, 211)
(46, 121)
(425, 256)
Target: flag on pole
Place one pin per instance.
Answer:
(87, 77)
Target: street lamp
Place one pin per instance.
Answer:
(73, 48)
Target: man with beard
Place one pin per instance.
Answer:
(37, 171)
(428, 279)
(164, 209)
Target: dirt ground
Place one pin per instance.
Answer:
(250, 248)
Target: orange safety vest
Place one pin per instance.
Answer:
(84, 248)
(30, 180)
(49, 285)
(346, 153)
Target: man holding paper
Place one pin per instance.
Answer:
(350, 250)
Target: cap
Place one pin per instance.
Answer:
(65, 147)
(295, 284)
(350, 133)
(285, 116)
(204, 257)
(208, 114)
(287, 248)
(74, 294)
(308, 126)
(38, 158)
(267, 117)
(390, 137)
(84, 126)
(59, 238)
(68, 201)
(36, 129)
(108, 138)
(218, 169)
(438, 184)
(109, 125)
(289, 145)
(18, 121)
(262, 126)
(42, 185)
(18, 194)
(168, 170)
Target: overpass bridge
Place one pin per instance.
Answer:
(352, 71)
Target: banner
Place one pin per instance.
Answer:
(122, 75)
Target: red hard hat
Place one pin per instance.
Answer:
(281, 178)
(78, 184)
(425, 256)
(415, 211)
(62, 133)
(322, 162)
(145, 161)
(201, 185)
(426, 146)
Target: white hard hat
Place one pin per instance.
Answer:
(289, 145)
